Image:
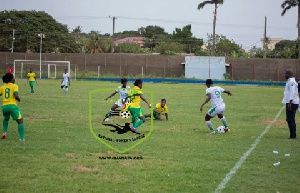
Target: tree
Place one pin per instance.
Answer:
(216, 3)
(152, 35)
(94, 43)
(77, 36)
(286, 49)
(224, 46)
(27, 25)
(185, 37)
(286, 5)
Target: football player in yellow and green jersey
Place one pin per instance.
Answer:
(160, 109)
(134, 106)
(32, 80)
(9, 92)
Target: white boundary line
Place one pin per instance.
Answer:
(243, 158)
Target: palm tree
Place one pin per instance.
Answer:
(216, 3)
(286, 5)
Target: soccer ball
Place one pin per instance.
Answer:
(125, 114)
(221, 129)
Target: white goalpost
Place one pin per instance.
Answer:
(45, 69)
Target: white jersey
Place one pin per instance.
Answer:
(291, 92)
(123, 91)
(66, 77)
(215, 94)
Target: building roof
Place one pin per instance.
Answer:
(136, 39)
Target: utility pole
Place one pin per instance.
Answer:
(113, 34)
(265, 39)
(41, 35)
(12, 43)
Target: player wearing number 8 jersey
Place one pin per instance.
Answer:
(10, 96)
(218, 106)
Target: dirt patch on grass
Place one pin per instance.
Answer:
(37, 118)
(70, 155)
(83, 169)
(278, 123)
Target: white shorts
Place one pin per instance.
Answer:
(65, 83)
(119, 103)
(216, 110)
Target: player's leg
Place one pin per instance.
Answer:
(157, 116)
(137, 119)
(17, 115)
(66, 88)
(141, 119)
(210, 114)
(62, 86)
(112, 111)
(6, 115)
(219, 110)
(31, 83)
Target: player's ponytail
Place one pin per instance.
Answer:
(7, 77)
(137, 82)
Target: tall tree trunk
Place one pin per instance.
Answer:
(214, 31)
(298, 31)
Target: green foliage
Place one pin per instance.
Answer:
(185, 37)
(202, 5)
(27, 26)
(129, 47)
(151, 31)
(169, 48)
(125, 34)
(286, 49)
(224, 46)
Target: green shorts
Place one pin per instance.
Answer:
(13, 111)
(31, 83)
(156, 115)
(135, 112)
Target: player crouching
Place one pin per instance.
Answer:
(160, 109)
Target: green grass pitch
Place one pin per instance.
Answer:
(60, 153)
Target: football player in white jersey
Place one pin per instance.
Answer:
(123, 90)
(65, 83)
(218, 106)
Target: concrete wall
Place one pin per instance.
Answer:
(161, 66)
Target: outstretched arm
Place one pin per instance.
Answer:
(144, 99)
(228, 92)
(206, 101)
(112, 94)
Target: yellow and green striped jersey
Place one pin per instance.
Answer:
(135, 99)
(31, 76)
(7, 91)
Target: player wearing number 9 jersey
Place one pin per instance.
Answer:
(218, 106)
(9, 92)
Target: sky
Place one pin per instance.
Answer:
(239, 20)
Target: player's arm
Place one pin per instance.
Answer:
(16, 95)
(155, 110)
(112, 94)
(167, 116)
(69, 80)
(206, 101)
(129, 96)
(144, 99)
(227, 92)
